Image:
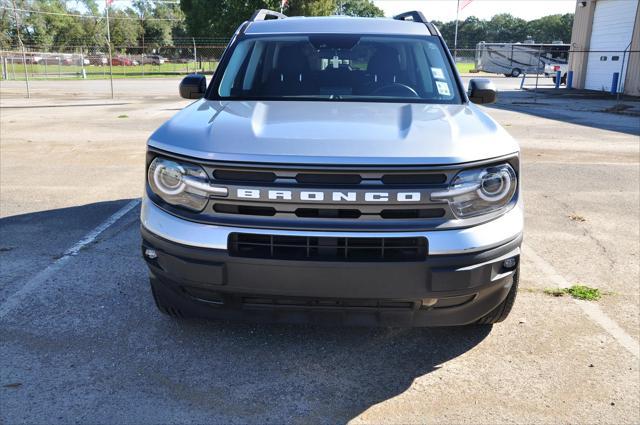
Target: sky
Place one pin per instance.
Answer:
(445, 10)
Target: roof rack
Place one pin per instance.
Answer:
(263, 14)
(417, 16)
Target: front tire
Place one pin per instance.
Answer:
(515, 72)
(501, 312)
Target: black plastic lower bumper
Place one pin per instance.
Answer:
(440, 291)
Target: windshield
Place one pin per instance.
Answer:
(340, 67)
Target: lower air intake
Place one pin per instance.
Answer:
(327, 248)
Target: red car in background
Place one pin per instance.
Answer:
(119, 60)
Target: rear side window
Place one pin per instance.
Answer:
(339, 67)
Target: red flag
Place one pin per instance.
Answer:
(108, 2)
(465, 3)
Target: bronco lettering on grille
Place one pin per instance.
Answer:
(319, 196)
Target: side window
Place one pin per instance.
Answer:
(233, 67)
(438, 79)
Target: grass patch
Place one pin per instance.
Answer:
(580, 292)
(555, 292)
(465, 67)
(15, 71)
(123, 116)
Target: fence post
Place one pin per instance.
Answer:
(570, 80)
(524, 75)
(13, 69)
(5, 71)
(59, 67)
(84, 72)
(535, 92)
(558, 79)
(44, 59)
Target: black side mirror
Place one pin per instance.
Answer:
(482, 91)
(193, 86)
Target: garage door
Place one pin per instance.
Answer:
(613, 23)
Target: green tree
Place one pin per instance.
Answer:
(7, 29)
(126, 28)
(506, 28)
(205, 18)
(310, 7)
(221, 18)
(158, 21)
(364, 8)
(551, 28)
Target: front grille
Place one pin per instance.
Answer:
(244, 210)
(315, 248)
(244, 176)
(414, 179)
(328, 198)
(306, 178)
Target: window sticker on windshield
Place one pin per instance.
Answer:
(437, 73)
(443, 88)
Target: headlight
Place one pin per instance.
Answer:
(479, 191)
(181, 184)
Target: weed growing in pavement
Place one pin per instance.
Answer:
(580, 292)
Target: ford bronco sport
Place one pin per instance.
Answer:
(334, 170)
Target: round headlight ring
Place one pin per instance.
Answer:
(503, 189)
(162, 170)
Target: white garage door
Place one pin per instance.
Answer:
(613, 23)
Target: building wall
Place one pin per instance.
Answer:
(580, 41)
(632, 83)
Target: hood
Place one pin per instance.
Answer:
(335, 133)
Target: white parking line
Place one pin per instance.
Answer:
(16, 298)
(591, 310)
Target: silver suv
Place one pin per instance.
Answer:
(334, 170)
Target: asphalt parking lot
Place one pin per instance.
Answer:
(82, 341)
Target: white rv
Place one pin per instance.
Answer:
(513, 59)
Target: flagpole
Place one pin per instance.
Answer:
(455, 39)
(108, 3)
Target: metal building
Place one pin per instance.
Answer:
(606, 40)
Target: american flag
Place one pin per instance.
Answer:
(464, 3)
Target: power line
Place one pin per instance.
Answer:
(77, 15)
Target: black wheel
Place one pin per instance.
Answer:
(563, 80)
(501, 312)
(163, 302)
(554, 79)
(515, 72)
(507, 75)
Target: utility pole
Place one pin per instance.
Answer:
(455, 38)
(108, 4)
(195, 55)
(24, 55)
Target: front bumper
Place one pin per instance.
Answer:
(462, 279)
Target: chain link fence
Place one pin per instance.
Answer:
(534, 65)
(92, 62)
